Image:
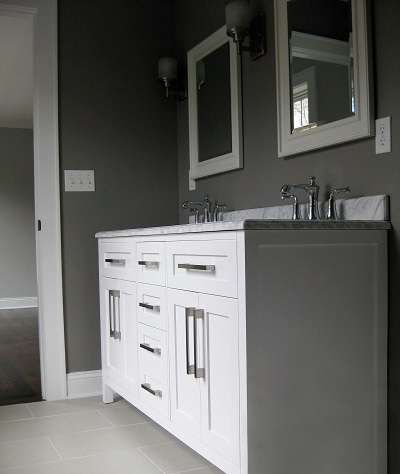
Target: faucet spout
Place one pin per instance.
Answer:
(312, 190)
(205, 204)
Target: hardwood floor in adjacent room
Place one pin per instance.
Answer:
(19, 356)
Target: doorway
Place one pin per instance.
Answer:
(43, 14)
(20, 379)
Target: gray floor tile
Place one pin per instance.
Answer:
(129, 461)
(123, 416)
(175, 457)
(26, 452)
(109, 440)
(207, 470)
(64, 407)
(39, 427)
(14, 412)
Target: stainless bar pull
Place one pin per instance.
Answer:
(148, 264)
(189, 313)
(199, 372)
(190, 266)
(116, 307)
(150, 306)
(147, 347)
(111, 312)
(116, 261)
(156, 393)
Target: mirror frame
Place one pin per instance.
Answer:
(360, 125)
(229, 161)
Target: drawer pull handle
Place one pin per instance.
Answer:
(150, 306)
(113, 308)
(148, 264)
(156, 393)
(116, 261)
(154, 350)
(190, 266)
(189, 313)
(199, 372)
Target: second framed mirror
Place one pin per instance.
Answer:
(215, 112)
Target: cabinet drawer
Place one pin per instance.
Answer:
(203, 266)
(153, 368)
(116, 260)
(152, 305)
(151, 262)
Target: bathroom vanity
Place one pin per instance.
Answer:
(261, 344)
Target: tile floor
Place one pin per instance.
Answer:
(87, 436)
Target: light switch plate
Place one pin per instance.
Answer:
(79, 180)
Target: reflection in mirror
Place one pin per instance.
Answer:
(323, 73)
(321, 70)
(214, 106)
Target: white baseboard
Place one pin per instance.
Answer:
(84, 384)
(18, 303)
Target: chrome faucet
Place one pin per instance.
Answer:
(206, 205)
(332, 214)
(312, 191)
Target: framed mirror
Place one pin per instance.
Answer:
(215, 112)
(323, 71)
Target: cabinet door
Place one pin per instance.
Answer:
(119, 333)
(184, 387)
(220, 409)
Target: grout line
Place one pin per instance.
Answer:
(152, 462)
(101, 414)
(30, 411)
(55, 449)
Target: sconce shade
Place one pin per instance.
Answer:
(237, 14)
(167, 68)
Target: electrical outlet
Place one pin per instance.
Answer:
(79, 180)
(382, 136)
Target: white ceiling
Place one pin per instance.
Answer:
(16, 72)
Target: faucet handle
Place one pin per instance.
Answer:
(295, 215)
(217, 209)
(331, 214)
(196, 214)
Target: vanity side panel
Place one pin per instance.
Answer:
(316, 351)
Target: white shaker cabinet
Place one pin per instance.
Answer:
(262, 346)
(118, 316)
(204, 361)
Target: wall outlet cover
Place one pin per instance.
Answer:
(383, 136)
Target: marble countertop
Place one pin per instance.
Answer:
(364, 213)
(250, 224)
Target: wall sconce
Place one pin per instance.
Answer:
(239, 25)
(168, 75)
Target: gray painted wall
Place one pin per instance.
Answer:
(17, 214)
(353, 164)
(115, 120)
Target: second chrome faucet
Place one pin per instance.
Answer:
(206, 205)
(312, 190)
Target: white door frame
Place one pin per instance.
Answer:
(47, 192)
